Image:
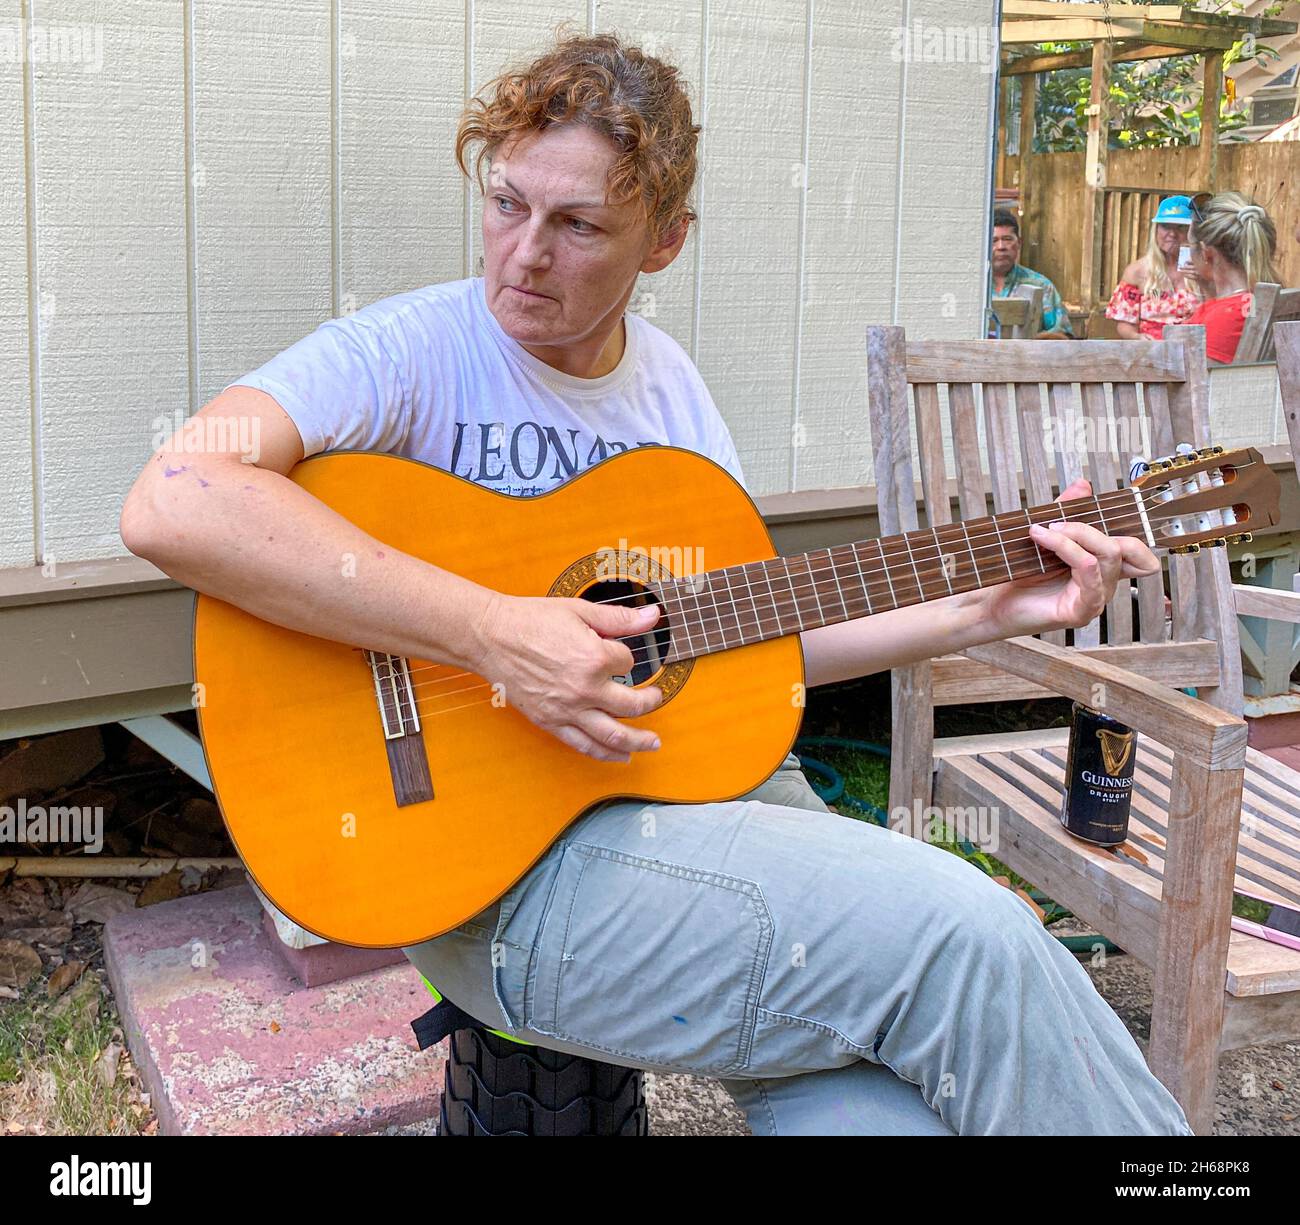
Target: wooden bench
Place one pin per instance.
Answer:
(1270, 305)
(1020, 313)
(1207, 809)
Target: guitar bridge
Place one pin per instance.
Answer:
(408, 762)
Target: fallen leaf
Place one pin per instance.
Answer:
(97, 903)
(53, 934)
(85, 993)
(19, 963)
(106, 1066)
(63, 978)
(163, 888)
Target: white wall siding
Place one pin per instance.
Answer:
(238, 171)
(17, 526)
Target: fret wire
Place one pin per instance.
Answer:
(1100, 512)
(698, 613)
(776, 607)
(979, 578)
(862, 578)
(749, 592)
(785, 561)
(1111, 522)
(676, 617)
(938, 545)
(717, 624)
(920, 586)
(889, 578)
(997, 531)
(1029, 520)
(680, 596)
(817, 599)
(732, 606)
(839, 586)
(753, 602)
(701, 616)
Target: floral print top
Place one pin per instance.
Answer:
(1151, 311)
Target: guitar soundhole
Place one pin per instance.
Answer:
(650, 649)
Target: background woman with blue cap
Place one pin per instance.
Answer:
(1153, 291)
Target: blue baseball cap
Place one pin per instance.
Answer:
(1174, 210)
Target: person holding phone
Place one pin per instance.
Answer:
(1233, 244)
(1155, 289)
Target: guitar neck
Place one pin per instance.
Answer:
(717, 610)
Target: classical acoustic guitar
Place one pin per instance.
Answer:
(380, 801)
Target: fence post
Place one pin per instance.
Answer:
(1095, 175)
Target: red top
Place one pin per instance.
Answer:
(1224, 319)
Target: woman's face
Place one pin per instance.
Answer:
(1202, 260)
(1170, 237)
(547, 229)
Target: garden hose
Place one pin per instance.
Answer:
(828, 783)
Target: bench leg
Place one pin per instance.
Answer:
(1195, 924)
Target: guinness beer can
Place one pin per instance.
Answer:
(1098, 777)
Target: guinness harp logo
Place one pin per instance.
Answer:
(1115, 748)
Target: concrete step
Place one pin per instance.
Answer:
(230, 1043)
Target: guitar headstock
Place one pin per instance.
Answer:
(1192, 496)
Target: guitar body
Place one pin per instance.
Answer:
(295, 738)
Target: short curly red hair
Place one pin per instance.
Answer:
(634, 99)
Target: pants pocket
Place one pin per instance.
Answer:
(657, 962)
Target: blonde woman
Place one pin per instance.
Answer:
(1233, 244)
(1153, 292)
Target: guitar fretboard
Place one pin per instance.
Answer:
(718, 610)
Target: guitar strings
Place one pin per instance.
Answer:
(1010, 540)
(1022, 548)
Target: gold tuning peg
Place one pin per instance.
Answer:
(1218, 542)
(1187, 548)
(1239, 538)
(1181, 461)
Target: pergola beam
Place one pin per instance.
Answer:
(1122, 52)
(1034, 10)
(1021, 10)
(1086, 29)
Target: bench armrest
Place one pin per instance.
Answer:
(1271, 602)
(1206, 734)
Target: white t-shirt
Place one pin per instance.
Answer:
(432, 376)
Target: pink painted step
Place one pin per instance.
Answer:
(319, 964)
(1266, 732)
(228, 1042)
(1289, 754)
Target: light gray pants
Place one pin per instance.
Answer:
(837, 977)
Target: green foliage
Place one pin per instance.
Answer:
(1153, 103)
